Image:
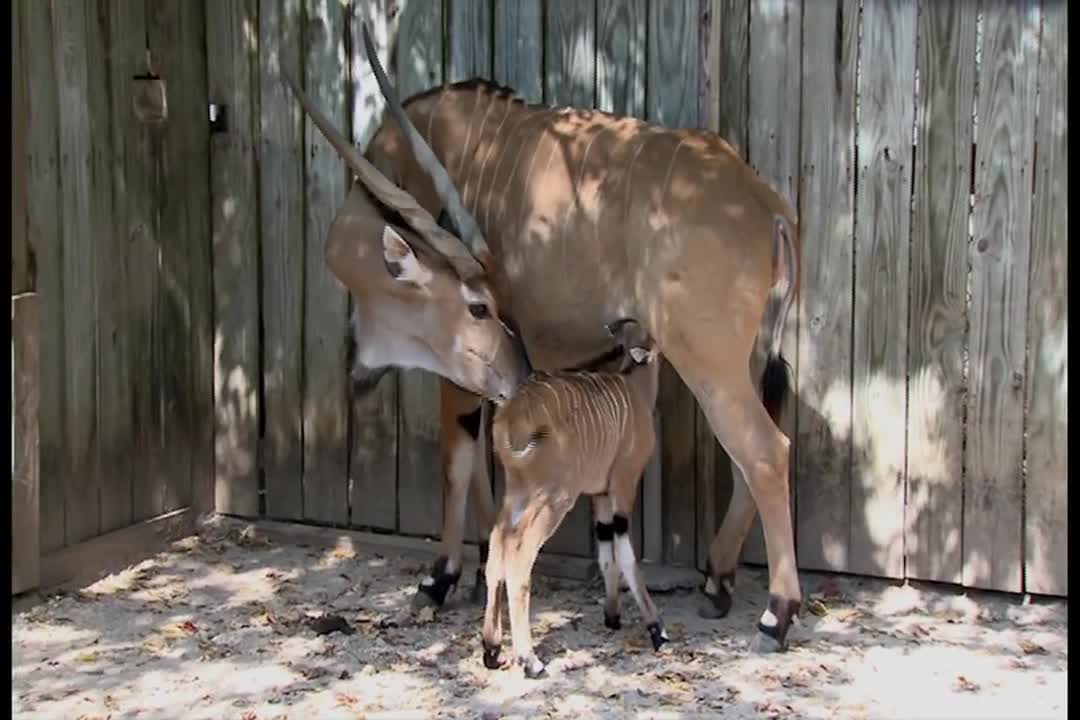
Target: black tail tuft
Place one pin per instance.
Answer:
(775, 385)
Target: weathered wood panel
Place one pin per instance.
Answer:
(138, 157)
(78, 205)
(113, 442)
(569, 79)
(1001, 223)
(373, 455)
(325, 405)
(519, 47)
(177, 36)
(25, 399)
(469, 55)
(822, 450)
(620, 88)
(21, 269)
(420, 481)
(773, 150)
(281, 232)
(939, 242)
(673, 67)
(882, 236)
(232, 53)
(1046, 519)
(468, 38)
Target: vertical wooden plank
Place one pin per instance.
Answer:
(21, 274)
(45, 234)
(325, 406)
(620, 56)
(939, 240)
(281, 228)
(883, 219)
(672, 100)
(620, 89)
(176, 32)
(519, 47)
(569, 57)
(1046, 520)
(420, 482)
(232, 77)
(713, 469)
(993, 486)
(137, 154)
(469, 55)
(773, 150)
(374, 441)
(822, 456)
(26, 383)
(468, 38)
(113, 441)
(569, 79)
(78, 203)
(724, 94)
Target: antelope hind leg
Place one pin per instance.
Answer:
(724, 550)
(753, 441)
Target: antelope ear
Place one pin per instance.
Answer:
(400, 260)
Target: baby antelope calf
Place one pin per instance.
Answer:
(559, 436)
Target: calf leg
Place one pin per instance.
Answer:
(538, 522)
(491, 636)
(628, 566)
(605, 557)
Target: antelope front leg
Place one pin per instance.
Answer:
(483, 505)
(459, 432)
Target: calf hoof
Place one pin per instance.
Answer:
(763, 644)
(612, 622)
(718, 597)
(479, 591)
(658, 635)
(491, 657)
(532, 667)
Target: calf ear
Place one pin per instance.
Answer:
(401, 262)
(640, 355)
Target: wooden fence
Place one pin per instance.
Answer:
(924, 145)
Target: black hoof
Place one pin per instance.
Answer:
(612, 622)
(773, 627)
(532, 667)
(658, 635)
(491, 657)
(718, 597)
(435, 588)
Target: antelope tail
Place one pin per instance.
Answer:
(775, 380)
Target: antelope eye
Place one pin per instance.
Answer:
(479, 310)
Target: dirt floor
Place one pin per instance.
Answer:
(222, 626)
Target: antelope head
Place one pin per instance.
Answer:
(422, 295)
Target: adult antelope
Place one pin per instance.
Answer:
(568, 218)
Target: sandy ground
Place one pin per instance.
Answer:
(220, 627)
